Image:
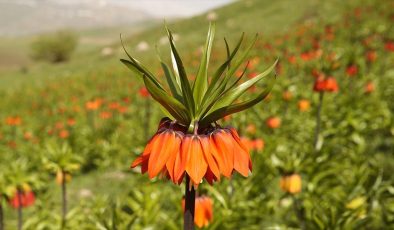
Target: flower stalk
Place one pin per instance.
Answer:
(190, 197)
(1, 214)
(19, 210)
(64, 199)
(318, 122)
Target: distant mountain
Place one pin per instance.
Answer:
(20, 17)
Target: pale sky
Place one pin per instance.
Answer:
(162, 8)
(159, 8)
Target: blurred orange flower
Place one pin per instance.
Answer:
(291, 183)
(25, 199)
(105, 115)
(93, 105)
(304, 105)
(351, 70)
(13, 121)
(203, 211)
(287, 95)
(143, 92)
(371, 56)
(325, 84)
(273, 122)
(64, 134)
(369, 87)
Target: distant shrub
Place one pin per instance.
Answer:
(56, 47)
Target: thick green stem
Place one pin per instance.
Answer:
(190, 196)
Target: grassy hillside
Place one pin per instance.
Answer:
(264, 17)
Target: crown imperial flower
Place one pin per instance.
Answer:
(196, 145)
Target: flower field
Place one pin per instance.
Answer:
(321, 143)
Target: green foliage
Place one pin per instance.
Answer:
(56, 47)
(205, 102)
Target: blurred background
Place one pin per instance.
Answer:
(73, 117)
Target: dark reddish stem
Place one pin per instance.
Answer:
(190, 196)
(19, 196)
(1, 215)
(64, 200)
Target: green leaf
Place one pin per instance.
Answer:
(173, 106)
(135, 65)
(223, 67)
(201, 83)
(239, 61)
(171, 80)
(220, 91)
(235, 108)
(235, 93)
(178, 68)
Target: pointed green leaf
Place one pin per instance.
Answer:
(134, 67)
(235, 108)
(201, 83)
(171, 80)
(219, 72)
(173, 106)
(178, 65)
(220, 91)
(227, 52)
(235, 93)
(242, 58)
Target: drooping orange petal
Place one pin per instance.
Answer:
(157, 150)
(212, 164)
(238, 139)
(241, 160)
(224, 145)
(170, 164)
(182, 158)
(208, 209)
(148, 147)
(196, 165)
(169, 147)
(147, 151)
(143, 161)
(218, 156)
(199, 214)
(137, 162)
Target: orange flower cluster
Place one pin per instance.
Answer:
(257, 144)
(143, 92)
(93, 105)
(291, 183)
(13, 121)
(273, 122)
(203, 211)
(325, 84)
(369, 87)
(208, 153)
(27, 199)
(351, 70)
(304, 105)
